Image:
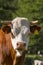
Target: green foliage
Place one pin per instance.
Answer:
(34, 57)
(7, 7)
(32, 9)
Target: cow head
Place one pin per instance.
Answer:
(21, 29)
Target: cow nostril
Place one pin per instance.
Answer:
(17, 44)
(24, 44)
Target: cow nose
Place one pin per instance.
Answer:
(21, 45)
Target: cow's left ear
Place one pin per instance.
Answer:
(6, 29)
(35, 29)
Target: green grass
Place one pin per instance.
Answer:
(30, 59)
(40, 57)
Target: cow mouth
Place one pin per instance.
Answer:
(19, 53)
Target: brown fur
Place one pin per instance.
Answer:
(7, 52)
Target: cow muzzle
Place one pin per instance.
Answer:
(21, 47)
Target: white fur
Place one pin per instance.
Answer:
(19, 53)
(20, 24)
(19, 38)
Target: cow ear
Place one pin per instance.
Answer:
(36, 32)
(35, 29)
(6, 29)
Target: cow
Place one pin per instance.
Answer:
(14, 40)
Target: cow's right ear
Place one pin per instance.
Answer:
(35, 29)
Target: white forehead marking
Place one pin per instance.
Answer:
(19, 21)
(21, 24)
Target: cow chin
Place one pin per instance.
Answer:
(18, 53)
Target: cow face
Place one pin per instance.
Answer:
(20, 30)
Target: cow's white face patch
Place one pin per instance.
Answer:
(20, 25)
(19, 38)
(21, 29)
